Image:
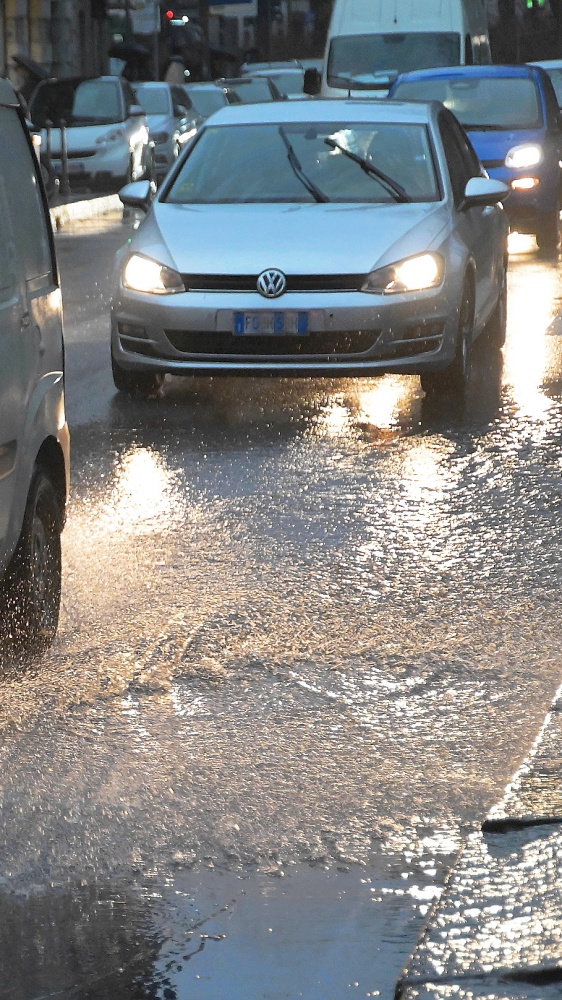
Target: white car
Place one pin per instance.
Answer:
(34, 439)
(170, 124)
(314, 238)
(106, 130)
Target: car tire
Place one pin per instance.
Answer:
(497, 325)
(31, 588)
(547, 234)
(453, 381)
(136, 383)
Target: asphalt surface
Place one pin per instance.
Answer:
(310, 629)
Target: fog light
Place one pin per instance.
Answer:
(525, 183)
(131, 330)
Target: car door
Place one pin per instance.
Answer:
(481, 228)
(30, 334)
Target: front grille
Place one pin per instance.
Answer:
(295, 282)
(226, 344)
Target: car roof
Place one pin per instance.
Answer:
(328, 110)
(484, 71)
(547, 63)
(150, 83)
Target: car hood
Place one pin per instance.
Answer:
(298, 239)
(495, 145)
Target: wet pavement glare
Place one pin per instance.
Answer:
(309, 630)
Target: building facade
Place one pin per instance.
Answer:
(65, 37)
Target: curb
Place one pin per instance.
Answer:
(496, 931)
(79, 211)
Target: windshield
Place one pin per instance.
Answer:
(206, 102)
(361, 59)
(97, 102)
(154, 100)
(480, 103)
(254, 90)
(290, 82)
(238, 164)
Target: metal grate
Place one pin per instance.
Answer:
(314, 344)
(295, 282)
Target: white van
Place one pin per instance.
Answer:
(34, 439)
(370, 42)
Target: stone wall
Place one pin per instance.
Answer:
(61, 35)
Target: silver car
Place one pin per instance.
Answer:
(314, 238)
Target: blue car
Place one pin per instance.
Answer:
(512, 118)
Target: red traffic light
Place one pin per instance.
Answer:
(170, 14)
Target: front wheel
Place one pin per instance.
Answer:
(548, 233)
(497, 325)
(30, 591)
(453, 381)
(136, 383)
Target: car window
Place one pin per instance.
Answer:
(97, 101)
(253, 90)
(207, 101)
(306, 162)
(26, 210)
(179, 96)
(493, 102)
(154, 100)
(360, 59)
(555, 74)
(462, 161)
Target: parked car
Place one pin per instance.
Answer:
(170, 123)
(34, 438)
(356, 238)
(252, 89)
(206, 98)
(106, 130)
(511, 116)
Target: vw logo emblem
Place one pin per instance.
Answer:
(271, 283)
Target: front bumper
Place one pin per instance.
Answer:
(111, 161)
(351, 333)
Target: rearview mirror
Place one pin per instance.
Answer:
(484, 191)
(139, 194)
(312, 82)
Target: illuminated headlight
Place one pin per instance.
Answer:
(141, 274)
(161, 136)
(415, 274)
(113, 136)
(523, 157)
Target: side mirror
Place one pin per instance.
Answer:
(139, 194)
(180, 111)
(312, 82)
(483, 191)
(136, 111)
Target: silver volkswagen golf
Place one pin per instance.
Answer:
(314, 238)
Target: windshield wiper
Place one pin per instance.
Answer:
(316, 193)
(396, 190)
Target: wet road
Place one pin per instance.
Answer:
(309, 630)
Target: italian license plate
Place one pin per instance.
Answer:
(271, 324)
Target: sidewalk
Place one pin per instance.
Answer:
(496, 932)
(79, 207)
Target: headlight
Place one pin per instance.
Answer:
(523, 157)
(142, 274)
(160, 136)
(113, 136)
(411, 275)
